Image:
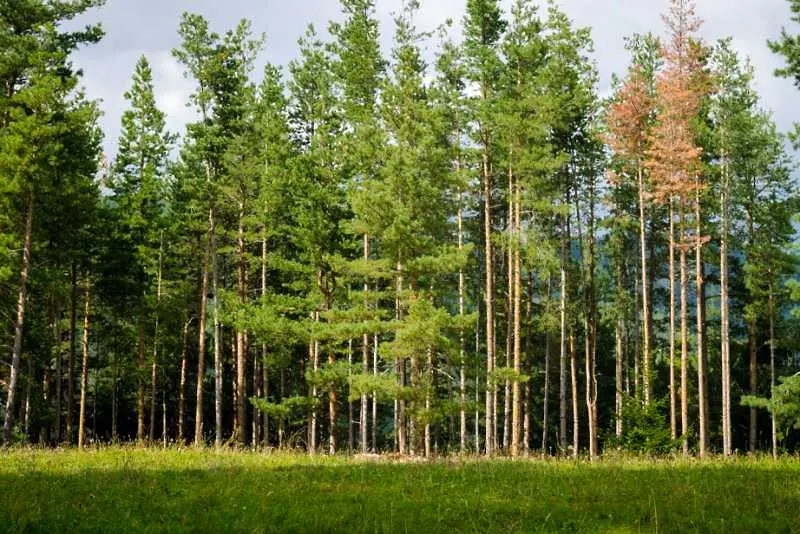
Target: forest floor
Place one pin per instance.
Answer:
(135, 490)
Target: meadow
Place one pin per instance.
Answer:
(150, 490)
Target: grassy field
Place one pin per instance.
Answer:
(131, 490)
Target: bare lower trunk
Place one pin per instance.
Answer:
(241, 336)
(673, 418)
(350, 429)
(619, 330)
(562, 360)
(218, 364)
(645, 294)
(771, 311)
(84, 366)
(462, 379)
(701, 377)
(573, 357)
(140, 366)
(154, 368)
(684, 331)
(19, 323)
(752, 435)
(362, 419)
(517, 299)
(182, 384)
(313, 349)
(332, 411)
(201, 331)
(724, 312)
(489, 302)
(375, 394)
(72, 353)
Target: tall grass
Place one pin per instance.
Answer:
(149, 490)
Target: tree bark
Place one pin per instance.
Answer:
(19, 323)
(154, 368)
(724, 308)
(517, 297)
(489, 302)
(241, 350)
(462, 379)
(771, 311)
(84, 365)
(182, 384)
(201, 330)
(217, 340)
(684, 330)
(562, 360)
(645, 293)
(72, 353)
(362, 419)
(573, 357)
(701, 376)
(673, 422)
(140, 367)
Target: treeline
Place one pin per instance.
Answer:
(470, 253)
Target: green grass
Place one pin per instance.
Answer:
(120, 489)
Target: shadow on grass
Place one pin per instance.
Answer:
(123, 496)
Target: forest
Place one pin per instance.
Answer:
(460, 247)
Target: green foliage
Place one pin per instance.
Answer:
(645, 428)
(783, 405)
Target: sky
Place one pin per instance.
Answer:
(149, 27)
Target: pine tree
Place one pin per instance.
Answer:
(40, 115)
(139, 194)
(483, 29)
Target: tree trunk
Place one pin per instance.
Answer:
(375, 394)
(517, 296)
(241, 349)
(618, 355)
(154, 369)
(140, 367)
(84, 365)
(724, 309)
(19, 323)
(489, 301)
(562, 360)
(673, 418)
(217, 340)
(701, 376)
(313, 349)
(362, 419)
(684, 330)
(645, 294)
(573, 357)
(400, 424)
(182, 384)
(72, 353)
(753, 368)
(771, 311)
(201, 330)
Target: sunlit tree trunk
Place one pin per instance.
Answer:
(724, 308)
(701, 376)
(19, 322)
(73, 333)
(182, 383)
(154, 367)
(84, 365)
(673, 422)
(646, 373)
(201, 330)
(684, 330)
